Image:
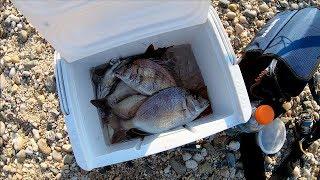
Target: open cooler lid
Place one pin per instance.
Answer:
(81, 28)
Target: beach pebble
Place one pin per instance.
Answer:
(224, 3)
(23, 35)
(36, 134)
(12, 72)
(67, 148)
(264, 8)
(284, 4)
(167, 169)
(250, 13)
(186, 156)
(294, 6)
(231, 15)
(2, 128)
(21, 155)
(56, 155)
(43, 146)
(233, 7)
(296, 172)
(178, 167)
(204, 152)
(234, 146)
(198, 157)
(231, 159)
(18, 143)
(239, 28)
(191, 164)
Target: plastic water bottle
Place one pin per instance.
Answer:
(261, 115)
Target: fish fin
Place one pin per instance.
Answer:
(118, 136)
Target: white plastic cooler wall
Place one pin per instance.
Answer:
(226, 89)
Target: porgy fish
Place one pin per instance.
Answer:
(108, 79)
(145, 76)
(167, 109)
(121, 92)
(128, 107)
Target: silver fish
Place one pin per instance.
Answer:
(128, 107)
(145, 76)
(109, 79)
(169, 108)
(121, 92)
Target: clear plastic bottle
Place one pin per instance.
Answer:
(261, 115)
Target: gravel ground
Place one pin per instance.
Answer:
(33, 138)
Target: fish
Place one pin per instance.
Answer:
(167, 109)
(145, 76)
(128, 107)
(109, 79)
(121, 92)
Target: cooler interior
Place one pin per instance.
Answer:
(211, 61)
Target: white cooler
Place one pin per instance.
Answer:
(88, 33)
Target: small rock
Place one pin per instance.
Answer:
(21, 155)
(259, 23)
(268, 160)
(56, 156)
(67, 148)
(178, 167)
(224, 3)
(234, 146)
(43, 146)
(204, 152)
(2, 128)
(12, 72)
(14, 88)
(58, 176)
(14, 58)
(294, 6)
(167, 169)
(43, 165)
(308, 104)
(13, 18)
(231, 159)
(231, 15)
(224, 172)
(3, 82)
(233, 7)
(296, 172)
(186, 156)
(264, 8)
(284, 4)
(36, 134)
(18, 143)
(198, 157)
(239, 28)
(39, 49)
(191, 164)
(59, 136)
(287, 106)
(67, 159)
(205, 168)
(250, 13)
(23, 35)
(243, 20)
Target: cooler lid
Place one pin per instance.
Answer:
(81, 28)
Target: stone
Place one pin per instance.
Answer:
(308, 104)
(198, 157)
(23, 36)
(234, 146)
(205, 168)
(12, 72)
(191, 164)
(67, 148)
(231, 159)
(178, 167)
(224, 172)
(14, 88)
(250, 13)
(59, 136)
(67, 159)
(243, 20)
(167, 169)
(294, 6)
(287, 106)
(18, 143)
(231, 15)
(239, 28)
(204, 152)
(2, 128)
(36, 134)
(43, 146)
(56, 155)
(186, 156)
(233, 7)
(14, 58)
(259, 23)
(3, 82)
(21, 155)
(284, 4)
(264, 8)
(44, 165)
(224, 3)
(268, 160)
(13, 18)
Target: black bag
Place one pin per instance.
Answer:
(283, 56)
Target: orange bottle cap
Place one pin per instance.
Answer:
(264, 114)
